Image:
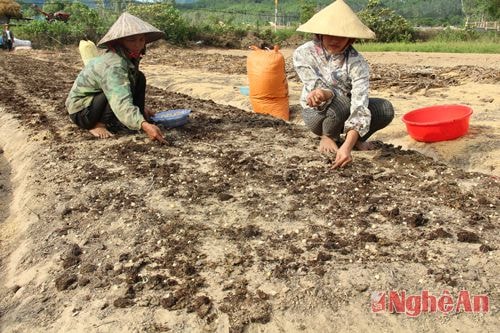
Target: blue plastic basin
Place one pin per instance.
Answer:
(172, 118)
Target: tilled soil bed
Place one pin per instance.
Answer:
(237, 224)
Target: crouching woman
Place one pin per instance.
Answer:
(335, 100)
(110, 91)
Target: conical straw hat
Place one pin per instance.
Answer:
(129, 25)
(337, 19)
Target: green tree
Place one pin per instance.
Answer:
(28, 10)
(481, 9)
(164, 17)
(52, 6)
(9, 9)
(307, 10)
(119, 6)
(86, 22)
(493, 8)
(387, 25)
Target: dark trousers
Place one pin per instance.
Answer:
(99, 111)
(331, 122)
(8, 44)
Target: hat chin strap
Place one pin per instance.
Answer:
(133, 54)
(129, 54)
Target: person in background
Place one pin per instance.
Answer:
(335, 96)
(110, 91)
(7, 37)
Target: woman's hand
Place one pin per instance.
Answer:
(344, 156)
(153, 132)
(318, 97)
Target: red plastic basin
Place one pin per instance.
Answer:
(438, 123)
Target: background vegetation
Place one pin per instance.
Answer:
(418, 12)
(236, 23)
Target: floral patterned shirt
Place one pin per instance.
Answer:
(345, 74)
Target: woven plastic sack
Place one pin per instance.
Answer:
(268, 84)
(88, 50)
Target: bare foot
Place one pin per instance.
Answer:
(367, 145)
(327, 145)
(100, 131)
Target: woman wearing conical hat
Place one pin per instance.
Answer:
(335, 100)
(110, 90)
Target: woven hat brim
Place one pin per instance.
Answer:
(128, 25)
(369, 34)
(337, 19)
(154, 36)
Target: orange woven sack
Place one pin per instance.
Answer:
(268, 84)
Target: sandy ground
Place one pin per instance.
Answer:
(478, 151)
(404, 58)
(238, 224)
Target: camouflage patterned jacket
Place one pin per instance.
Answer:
(346, 74)
(112, 74)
